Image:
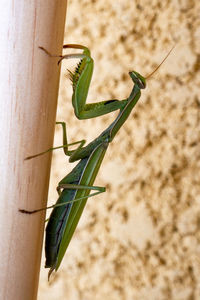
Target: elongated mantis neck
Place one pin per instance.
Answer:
(125, 112)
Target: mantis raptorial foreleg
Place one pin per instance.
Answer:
(81, 79)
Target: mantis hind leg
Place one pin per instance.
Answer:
(99, 190)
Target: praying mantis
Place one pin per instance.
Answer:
(74, 189)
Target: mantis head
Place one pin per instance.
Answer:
(138, 79)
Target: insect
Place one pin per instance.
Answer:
(74, 189)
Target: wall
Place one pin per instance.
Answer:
(139, 240)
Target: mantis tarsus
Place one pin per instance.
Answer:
(74, 189)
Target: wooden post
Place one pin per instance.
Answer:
(29, 86)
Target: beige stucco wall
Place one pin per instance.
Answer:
(139, 240)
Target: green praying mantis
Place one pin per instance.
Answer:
(74, 189)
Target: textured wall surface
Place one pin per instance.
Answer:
(139, 240)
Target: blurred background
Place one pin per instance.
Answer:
(140, 239)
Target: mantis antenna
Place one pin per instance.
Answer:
(154, 71)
